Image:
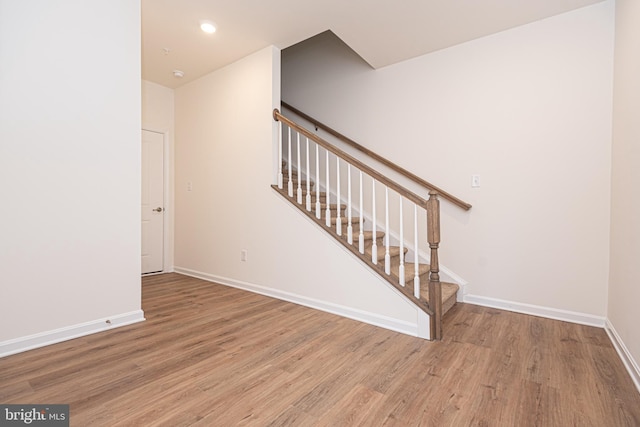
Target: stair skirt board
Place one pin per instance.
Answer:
(419, 329)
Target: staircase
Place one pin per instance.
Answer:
(449, 290)
(383, 224)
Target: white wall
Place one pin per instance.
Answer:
(158, 116)
(529, 110)
(157, 107)
(225, 148)
(624, 279)
(69, 167)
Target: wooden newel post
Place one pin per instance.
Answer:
(435, 288)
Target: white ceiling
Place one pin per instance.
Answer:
(382, 32)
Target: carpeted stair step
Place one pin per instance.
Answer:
(344, 220)
(295, 178)
(323, 195)
(303, 184)
(409, 271)
(333, 207)
(449, 290)
(394, 251)
(368, 237)
(355, 224)
(449, 294)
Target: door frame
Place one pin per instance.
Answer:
(167, 231)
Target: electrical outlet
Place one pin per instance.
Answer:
(475, 181)
(243, 255)
(189, 186)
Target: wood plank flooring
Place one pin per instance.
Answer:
(210, 355)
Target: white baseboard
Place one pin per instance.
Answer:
(401, 326)
(42, 339)
(627, 359)
(536, 310)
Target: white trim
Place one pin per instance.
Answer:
(424, 327)
(42, 339)
(536, 310)
(155, 273)
(375, 319)
(624, 353)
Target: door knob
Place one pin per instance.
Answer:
(157, 209)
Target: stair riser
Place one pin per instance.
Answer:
(368, 242)
(323, 197)
(409, 265)
(334, 211)
(355, 228)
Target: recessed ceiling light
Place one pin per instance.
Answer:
(208, 27)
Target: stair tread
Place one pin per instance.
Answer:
(323, 194)
(448, 290)
(368, 235)
(345, 220)
(303, 183)
(332, 206)
(409, 269)
(382, 250)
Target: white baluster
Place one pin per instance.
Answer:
(416, 277)
(387, 255)
(299, 165)
(290, 184)
(361, 234)
(280, 177)
(308, 198)
(318, 207)
(338, 217)
(349, 226)
(401, 279)
(374, 246)
(327, 201)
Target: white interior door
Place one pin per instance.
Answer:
(152, 201)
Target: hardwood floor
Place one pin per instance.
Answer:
(210, 355)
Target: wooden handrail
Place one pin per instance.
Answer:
(350, 159)
(453, 199)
